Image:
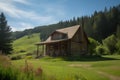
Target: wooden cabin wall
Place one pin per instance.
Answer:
(75, 48)
(78, 43)
(51, 50)
(69, 47)
(47, 49)
(85, 44)
(56, 36)
(57, 49)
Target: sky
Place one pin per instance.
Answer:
(25, 14)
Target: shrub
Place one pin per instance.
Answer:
(16, 57)
(38, 71)
(22, 51)
(28, 54)
(118, 46)
(110, 43)
(102, 50)
(4, 60)
(28, 57)
(92, 45)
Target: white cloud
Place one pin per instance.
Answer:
(25, 17)
(13, 28)
(9, 9)
(22, 26)
(26, 25)
(22, 1)
(15, 12)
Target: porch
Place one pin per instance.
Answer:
(54, 48)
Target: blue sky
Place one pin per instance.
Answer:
(25, 14)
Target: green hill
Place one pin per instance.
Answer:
(25, 44)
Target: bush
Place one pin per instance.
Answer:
(102, 50)
(4, 60)
(92, 45)
(28, 57)
(22, 51)
(110, 43)
(29, 54)
(16, 57)
(118, 46)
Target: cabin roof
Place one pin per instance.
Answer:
(52, 41)
(70, 31)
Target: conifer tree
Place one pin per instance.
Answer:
(5, 36)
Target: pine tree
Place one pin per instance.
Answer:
(5, 36)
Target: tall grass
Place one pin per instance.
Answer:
(27, 72)
(8, 72)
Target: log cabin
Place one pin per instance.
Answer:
(70, 41)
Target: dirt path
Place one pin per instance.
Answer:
(111, 77)
(80, 65)
(87, 66)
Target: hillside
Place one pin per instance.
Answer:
(25, 44)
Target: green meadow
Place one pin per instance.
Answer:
(105, 68)
(94, 68)
(26, 44)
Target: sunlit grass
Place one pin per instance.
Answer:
(26, 45)
(62, 70)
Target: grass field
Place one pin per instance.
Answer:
(106, 68)
(26, 45)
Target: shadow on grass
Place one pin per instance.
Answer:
(89, 58)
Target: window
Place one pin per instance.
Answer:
(57, 36)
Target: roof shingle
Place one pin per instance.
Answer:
(70, 31)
